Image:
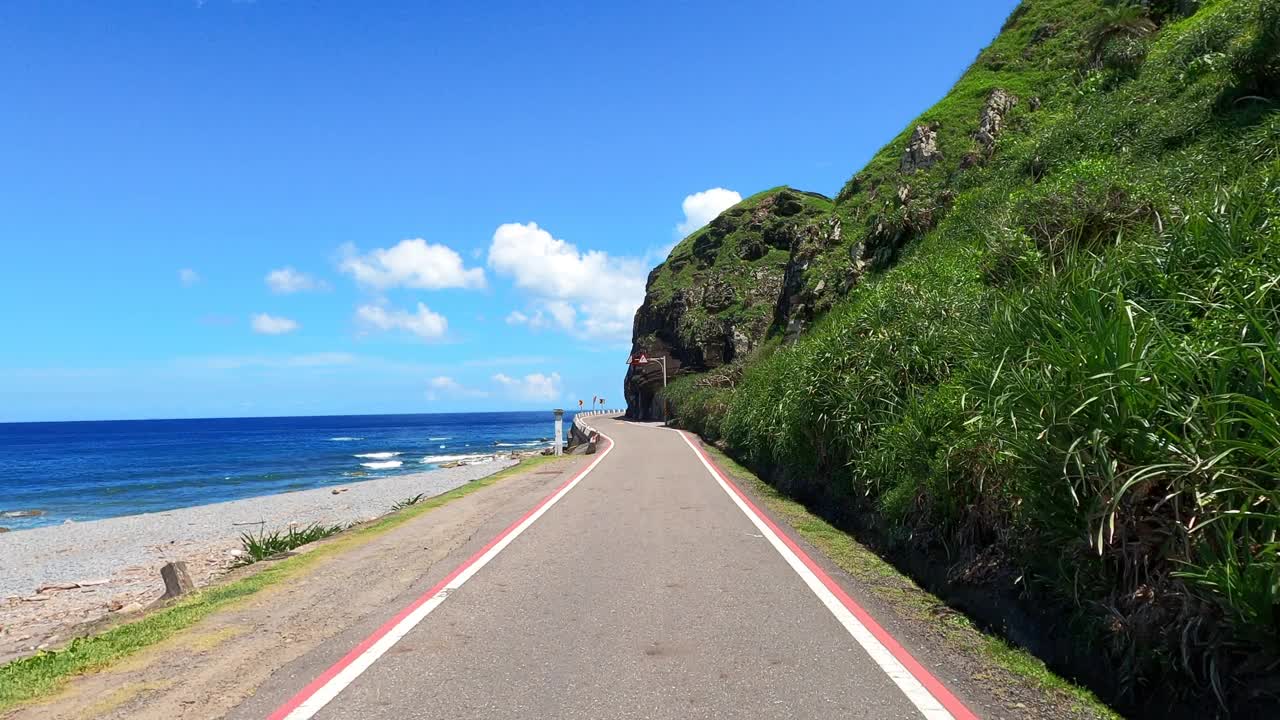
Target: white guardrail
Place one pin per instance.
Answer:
(580, 417)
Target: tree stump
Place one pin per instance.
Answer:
(177, 581)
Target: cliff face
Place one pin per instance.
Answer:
(770, 265)
(728, 286)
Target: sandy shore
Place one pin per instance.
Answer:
(117, 560)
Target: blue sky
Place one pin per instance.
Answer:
(228, 208)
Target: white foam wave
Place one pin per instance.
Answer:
(344, 438)
(440, 438)
(434, 459)
(378, 455)
(383, 465)
(521, 444)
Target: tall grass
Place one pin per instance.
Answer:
(264, 545)
(1074, 375)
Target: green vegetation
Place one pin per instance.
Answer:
(1061, 358)
(408, 502)
(39, 675)
(265, 545)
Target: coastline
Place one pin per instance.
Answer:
(117, 560)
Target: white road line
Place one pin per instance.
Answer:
(906, 682)
(353, 667)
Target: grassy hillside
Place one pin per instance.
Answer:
(1046, 346)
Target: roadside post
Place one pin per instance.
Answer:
(559, 412)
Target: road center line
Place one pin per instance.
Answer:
(924, 691)
(326, 687)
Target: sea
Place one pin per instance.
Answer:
(52, 472)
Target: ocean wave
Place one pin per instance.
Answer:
(383, 465)
(433, 459)
(531, 443)
(344, 438)
(378, 455)
(440, 438)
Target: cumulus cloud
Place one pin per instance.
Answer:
(443, 382)
(534, 386)
(423, 322)
(413, 263)
(265, 324)
(445, 386)
(188, 277)
(586, 293)
(701, 208)
(286, 280)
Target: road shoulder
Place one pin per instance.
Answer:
(998, 681)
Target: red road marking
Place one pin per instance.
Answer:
(931, 683)
(315, 685)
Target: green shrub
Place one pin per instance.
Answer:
(265, 544)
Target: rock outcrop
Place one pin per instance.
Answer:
(991, 122)
(727, 286)
(922, 149)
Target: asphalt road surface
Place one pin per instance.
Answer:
(645, 587)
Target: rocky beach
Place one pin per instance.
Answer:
(57, 578)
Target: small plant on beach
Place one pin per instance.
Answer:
(265, 545)
(409, 502)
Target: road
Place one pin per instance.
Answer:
(644, 587)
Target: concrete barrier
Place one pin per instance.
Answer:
(580, 430)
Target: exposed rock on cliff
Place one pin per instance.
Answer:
(922, 150)
(999, 103)
(723, 289)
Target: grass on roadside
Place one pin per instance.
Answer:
(408, 502)
(905, 596)
(266, 545)
(39, 675)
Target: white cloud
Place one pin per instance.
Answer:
(413, 263)
(588, 294)
(188, 277)
(534, 386)
(562, 313)
(443, 385)
(443, 382)
(287, 280)
(701, 208)
(265, 324)
(424, 323)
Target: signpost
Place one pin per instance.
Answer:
(559, 430)
(643, 359)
